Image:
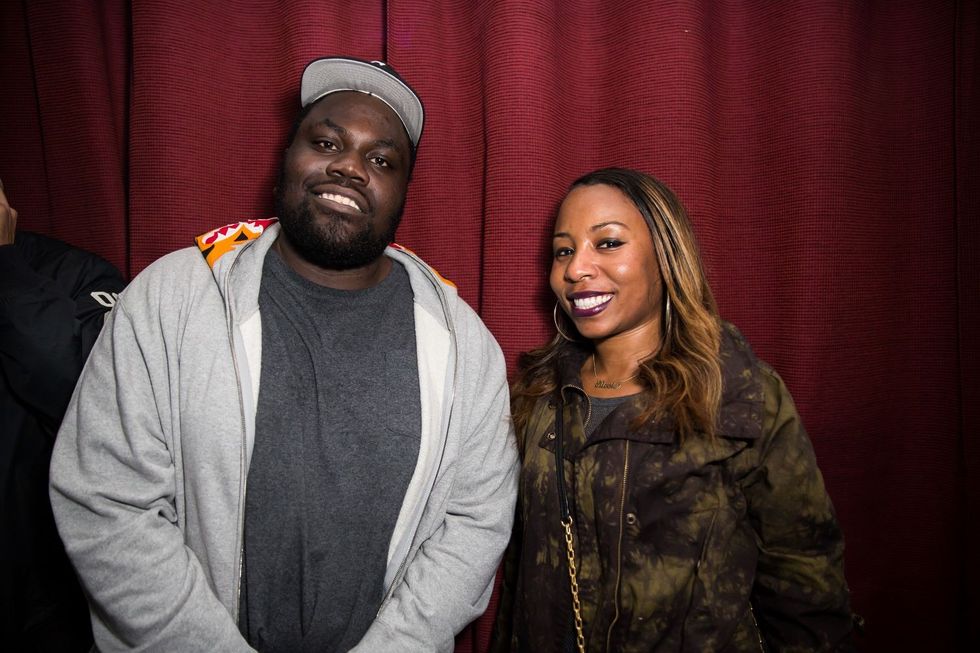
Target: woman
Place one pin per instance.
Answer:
(688, 513)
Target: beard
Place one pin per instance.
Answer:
(337, 243)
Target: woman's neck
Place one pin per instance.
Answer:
(619, 356)
(613, 368)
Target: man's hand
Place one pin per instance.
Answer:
(8, 220)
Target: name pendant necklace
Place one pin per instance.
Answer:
(609, 385)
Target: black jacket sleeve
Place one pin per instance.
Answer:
(53, 300)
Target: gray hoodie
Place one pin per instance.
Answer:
(149, 469)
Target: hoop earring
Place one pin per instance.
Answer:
(668, 318)
(554, 315)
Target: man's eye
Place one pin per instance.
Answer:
(380, 161)
(609, 243)
(325, 144)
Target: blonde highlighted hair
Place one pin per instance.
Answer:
(683, 377)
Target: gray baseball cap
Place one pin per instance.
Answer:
(332, 74)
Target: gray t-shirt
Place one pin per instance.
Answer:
(337, 438)
(602, 407)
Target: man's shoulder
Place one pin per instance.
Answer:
(432, 291)
(199, 259)
(177, 273)
(439, 296)
(418, 259)
(186, 261)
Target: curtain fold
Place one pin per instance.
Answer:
(967, 171)
(826, 151)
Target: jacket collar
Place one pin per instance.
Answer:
(742, 400)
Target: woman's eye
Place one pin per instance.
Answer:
(609, 243)
(563, 251)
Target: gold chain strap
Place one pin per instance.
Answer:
(573, 581)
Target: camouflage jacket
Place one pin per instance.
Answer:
(724, 545)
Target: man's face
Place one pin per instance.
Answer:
(343, 181)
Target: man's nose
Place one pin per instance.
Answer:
(348, 164)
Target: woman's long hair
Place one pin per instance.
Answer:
(683, 377)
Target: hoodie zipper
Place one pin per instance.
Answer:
(451, 399)
(241, 412)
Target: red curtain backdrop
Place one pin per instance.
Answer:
(827, 152)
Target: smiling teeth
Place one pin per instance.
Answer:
(339, 199)
(585, 303)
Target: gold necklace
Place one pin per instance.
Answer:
(609, 385)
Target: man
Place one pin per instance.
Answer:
(294, 437)
(53, 298)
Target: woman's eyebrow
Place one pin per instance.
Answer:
(595, 227)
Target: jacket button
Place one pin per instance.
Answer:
(631, 519)
(551, 436)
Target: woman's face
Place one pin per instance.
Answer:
(604, 271)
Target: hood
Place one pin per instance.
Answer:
(235, 253)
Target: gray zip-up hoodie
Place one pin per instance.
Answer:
(149, 469)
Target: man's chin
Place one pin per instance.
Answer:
(344, 259)
(336, 251)
(332, 240)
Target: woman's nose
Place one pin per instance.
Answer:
(580, 266)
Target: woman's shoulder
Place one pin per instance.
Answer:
(751, 388)
(739, 360)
